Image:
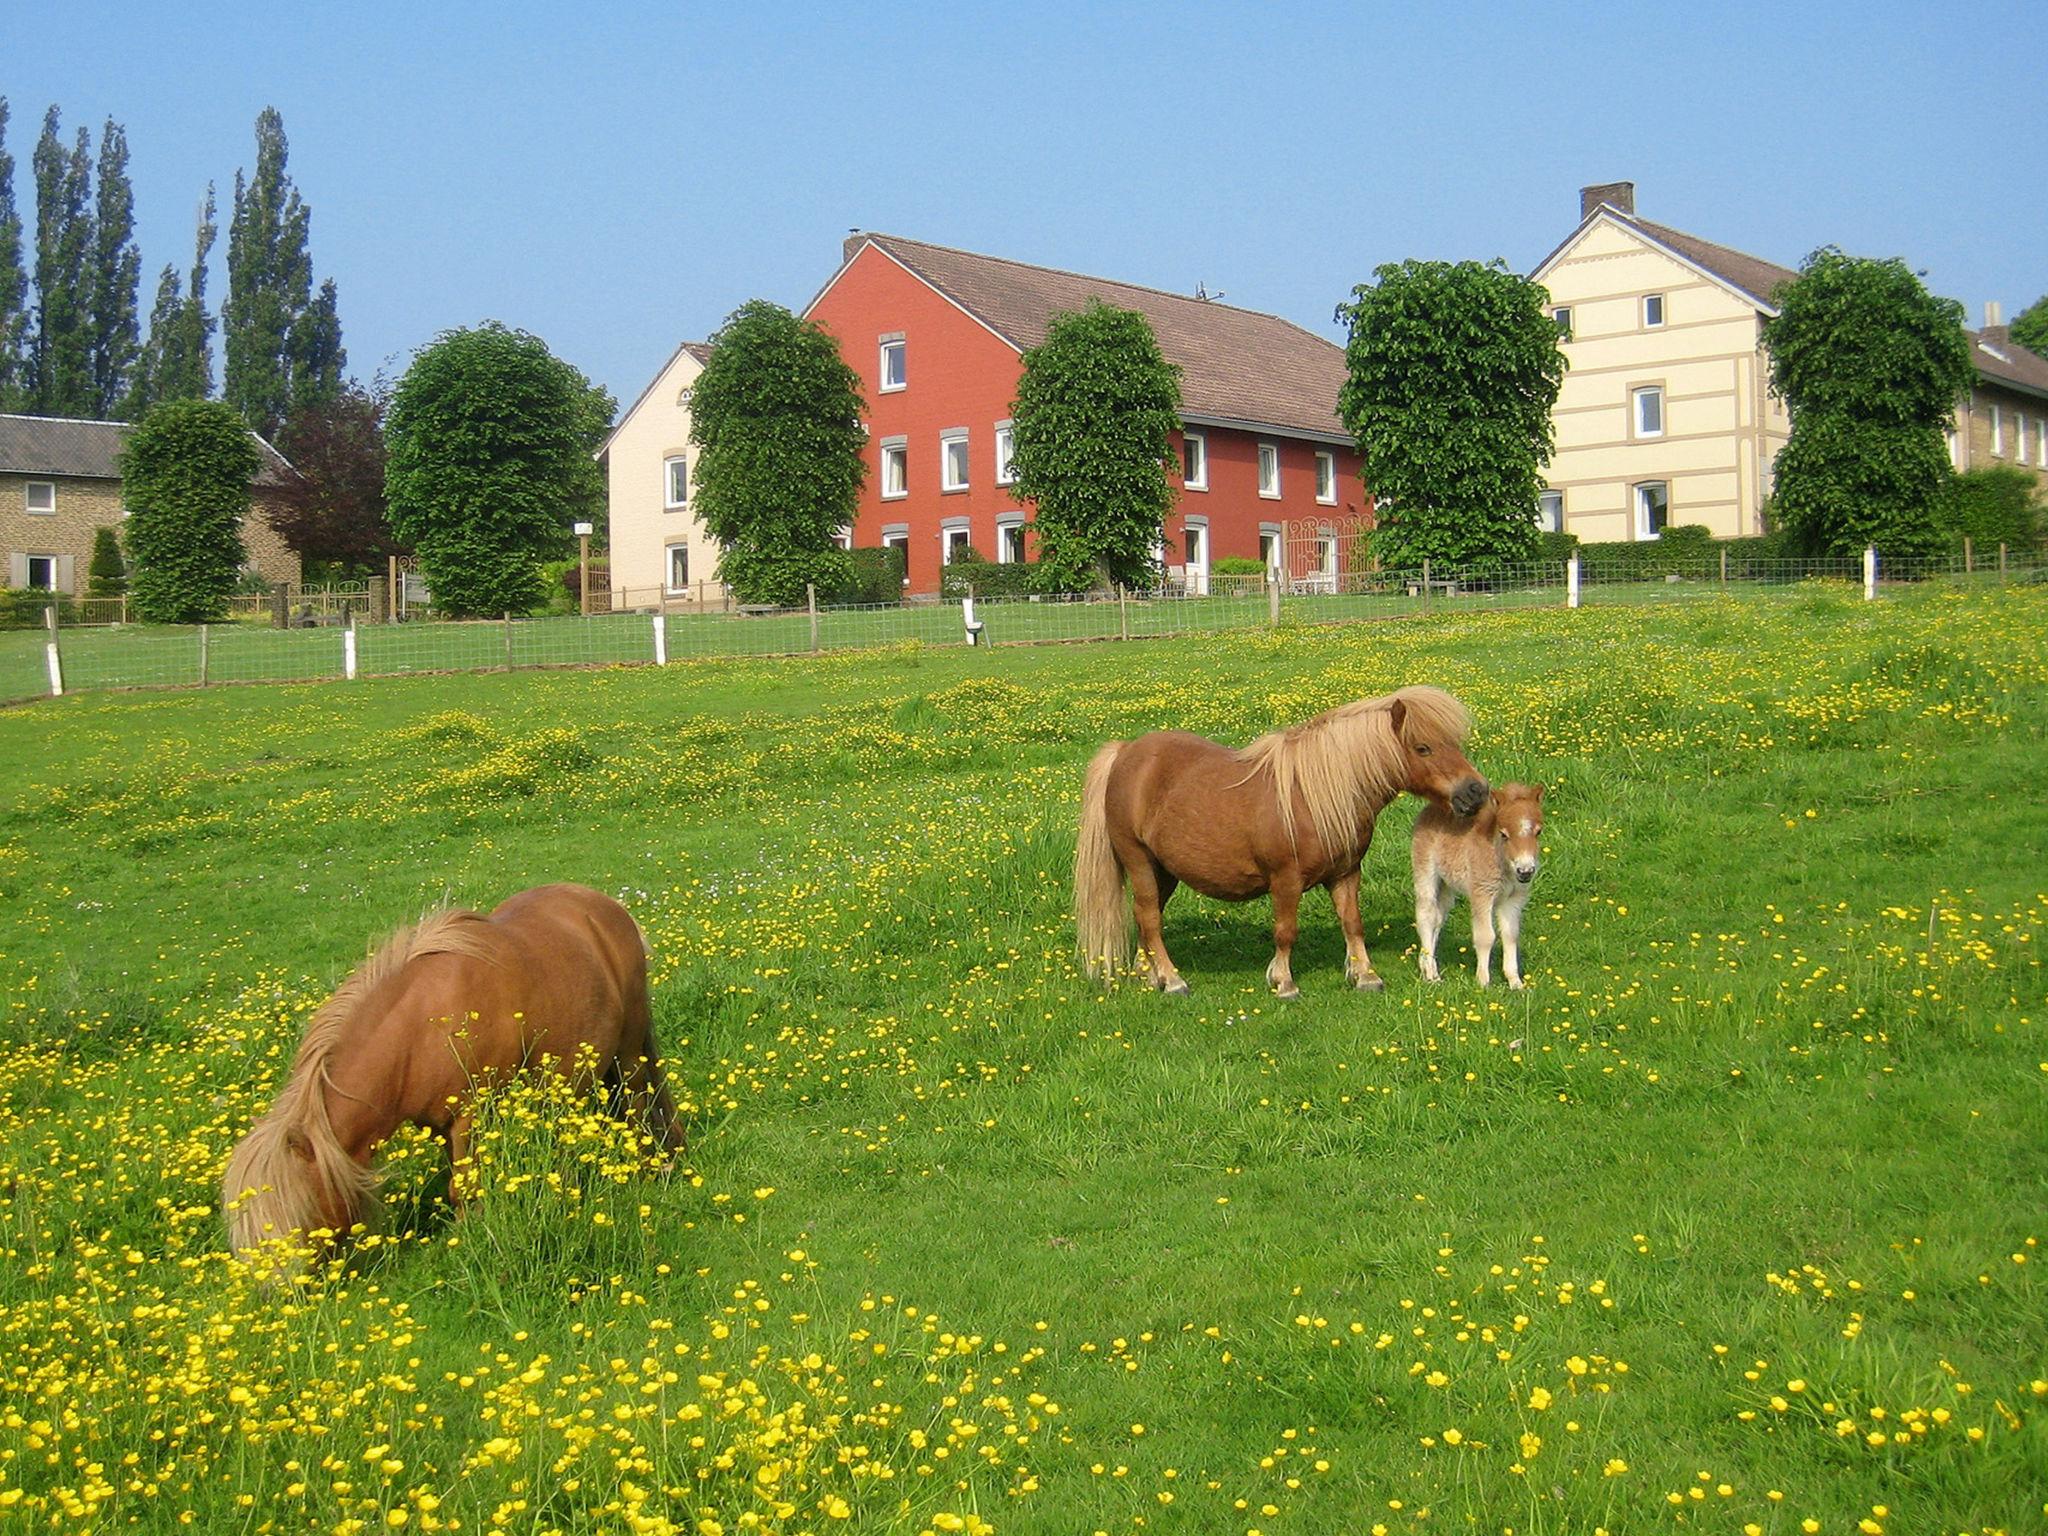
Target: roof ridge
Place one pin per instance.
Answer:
(75, 421)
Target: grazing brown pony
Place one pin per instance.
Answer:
(456, 1004)
(1292, 810)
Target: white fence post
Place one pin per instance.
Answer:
(661, 637)
(50, 651)
(1571, 582)
(1870, 573)
(348, 648)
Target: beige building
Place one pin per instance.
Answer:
(60, 482)
(659, 551)
(1666, 415)
(2004, 418)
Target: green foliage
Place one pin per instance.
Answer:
(1096, 409)
(107, 576)
(1869, 364)
(776, 419)
(2030, 327)
(24, 607)
(874, 576)
(177, 358)
(1556, 545)
(14, 362)
(61, 359)
(116, 270)
(488, 446)
(185, 474)
(970, 572)
(1452, 373)
(1237, 565)
(1997, 505)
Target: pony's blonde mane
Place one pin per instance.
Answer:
(272, 1188)
(1347, 763)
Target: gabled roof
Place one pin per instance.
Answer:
(1237, 365)
(1749, 277)
(91, 450)
(700, 350)
(2001, 360)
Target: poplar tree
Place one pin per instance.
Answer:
(62, 355)
(317, 355)
(270, 281)
(177, 361)
(116, 272)
(13, 286)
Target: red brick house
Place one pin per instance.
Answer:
(937, 335)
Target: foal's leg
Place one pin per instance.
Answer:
(1357, 963)
(1511, 938)
(1430, 907)
(1482, 933)
(1150, 887)
(1286, 914)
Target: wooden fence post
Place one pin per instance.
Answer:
(391, 587)
(50, 653)
(280, 607)
(2001, 562)
(1123, 613)
(1272, 597)
(1724, 565)
(660, 638)
(1969, 556)
(508, 642)
(811, 602)
(1571, 581)
(1425, 587)
(1870, 573)
(202, 655)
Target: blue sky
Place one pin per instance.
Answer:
(616, 178)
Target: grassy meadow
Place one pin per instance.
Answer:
(1730, 1223)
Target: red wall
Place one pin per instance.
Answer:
(960, 374)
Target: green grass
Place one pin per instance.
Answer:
(1782, 1063)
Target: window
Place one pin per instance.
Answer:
(1550, 512)
(1269, 470)
(2041, 442)
(1326, 478)
(1006, 444)
(953, 459)
(1269, 548)
(677, 481)
(894, 375)
(1561, 317)
(1194, 461)
(679, 567)
(1009, 541)
(953, 539)
(1653, 310)
(42, 572)
(40, 496)
(1326, 555)
(1997, 433)
(683, 399)
(897, 536)
(1649, 405)
(1653, 508)
(895, 468)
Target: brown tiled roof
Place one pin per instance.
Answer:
(2001, 360)
(91, 450)
(1236, 364)
(1752, 275)
(700, 350)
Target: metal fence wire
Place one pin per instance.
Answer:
(659, 627)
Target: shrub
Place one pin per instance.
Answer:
(1237, 565)
(873, 576)
(107, 576)
(1556, 546)
(185, 472)
(1998, 505)
(23, 607)
(986, 578)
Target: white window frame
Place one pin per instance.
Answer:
(1198, 442)
(884, 346)
(1997, 432)
(897, 536)
(896, 451)
(1269, 453)
(1270, 552)
(1636, 397)
(1326, 473)
(1006, 449)
(28, 498)
(1545, 501)
(2041, 442)
(669, 567)
(954, 534)
(669, 500)
(947, 440)
(56, 567)
(1561, 317)
(1658, 300)
(1640, 504)
(1195, 568)
(1326, 554)
(1007, 524)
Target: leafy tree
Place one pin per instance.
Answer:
(278, 337)
(488, 443)
(62, 355)
(2029, 326)
(317, 353)
(1869, 364)
(14, 337)
(1453, 369)
(177, 360)
(1092, 447)
(776, 420)
(107, 576)
(185, 474)
(116, 271)
(335, 513)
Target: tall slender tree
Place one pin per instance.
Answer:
(13, 286)
(62, 355)
(317, 355)
(177, 360)
(270, 281)
(116, 272)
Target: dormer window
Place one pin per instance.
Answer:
(895, 372)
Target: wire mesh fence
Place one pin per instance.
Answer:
(67, 656)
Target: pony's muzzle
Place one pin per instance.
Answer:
(1525, 870)
(1469, 796)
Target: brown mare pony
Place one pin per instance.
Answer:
(458, 1003)
(1292, 810)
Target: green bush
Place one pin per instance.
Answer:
(23, 607)
(969, 571)
(1237, 565)
(873, 576)
(1998, 505)
(107, 576)
(1556, 546)
(185, 473)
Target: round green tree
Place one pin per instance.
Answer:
(488, 444)
(2030, 327)
(776, 419)
(185, 473)
(1452, 371)
(1092, 448)
(1869, 364)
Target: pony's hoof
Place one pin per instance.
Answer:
(1288, 993)
(1176, 988)
(1370, 982)
(1516, 984)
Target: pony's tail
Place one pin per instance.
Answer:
(1101, 921)
(291, 1175)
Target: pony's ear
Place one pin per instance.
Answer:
(299, 1147)
(1539, 794)
(1397, 715)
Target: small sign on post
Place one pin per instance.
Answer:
(50, 652)
(1870, 573)
(1571, 582)
(348, 647)
(660, 638)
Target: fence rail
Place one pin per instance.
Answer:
(66, 657)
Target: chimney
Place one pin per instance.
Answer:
(1994, 314)
(1618, 195)
(855, 239)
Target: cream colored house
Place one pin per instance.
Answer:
(2003, 420)
(660, 553)
(1666, 415)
